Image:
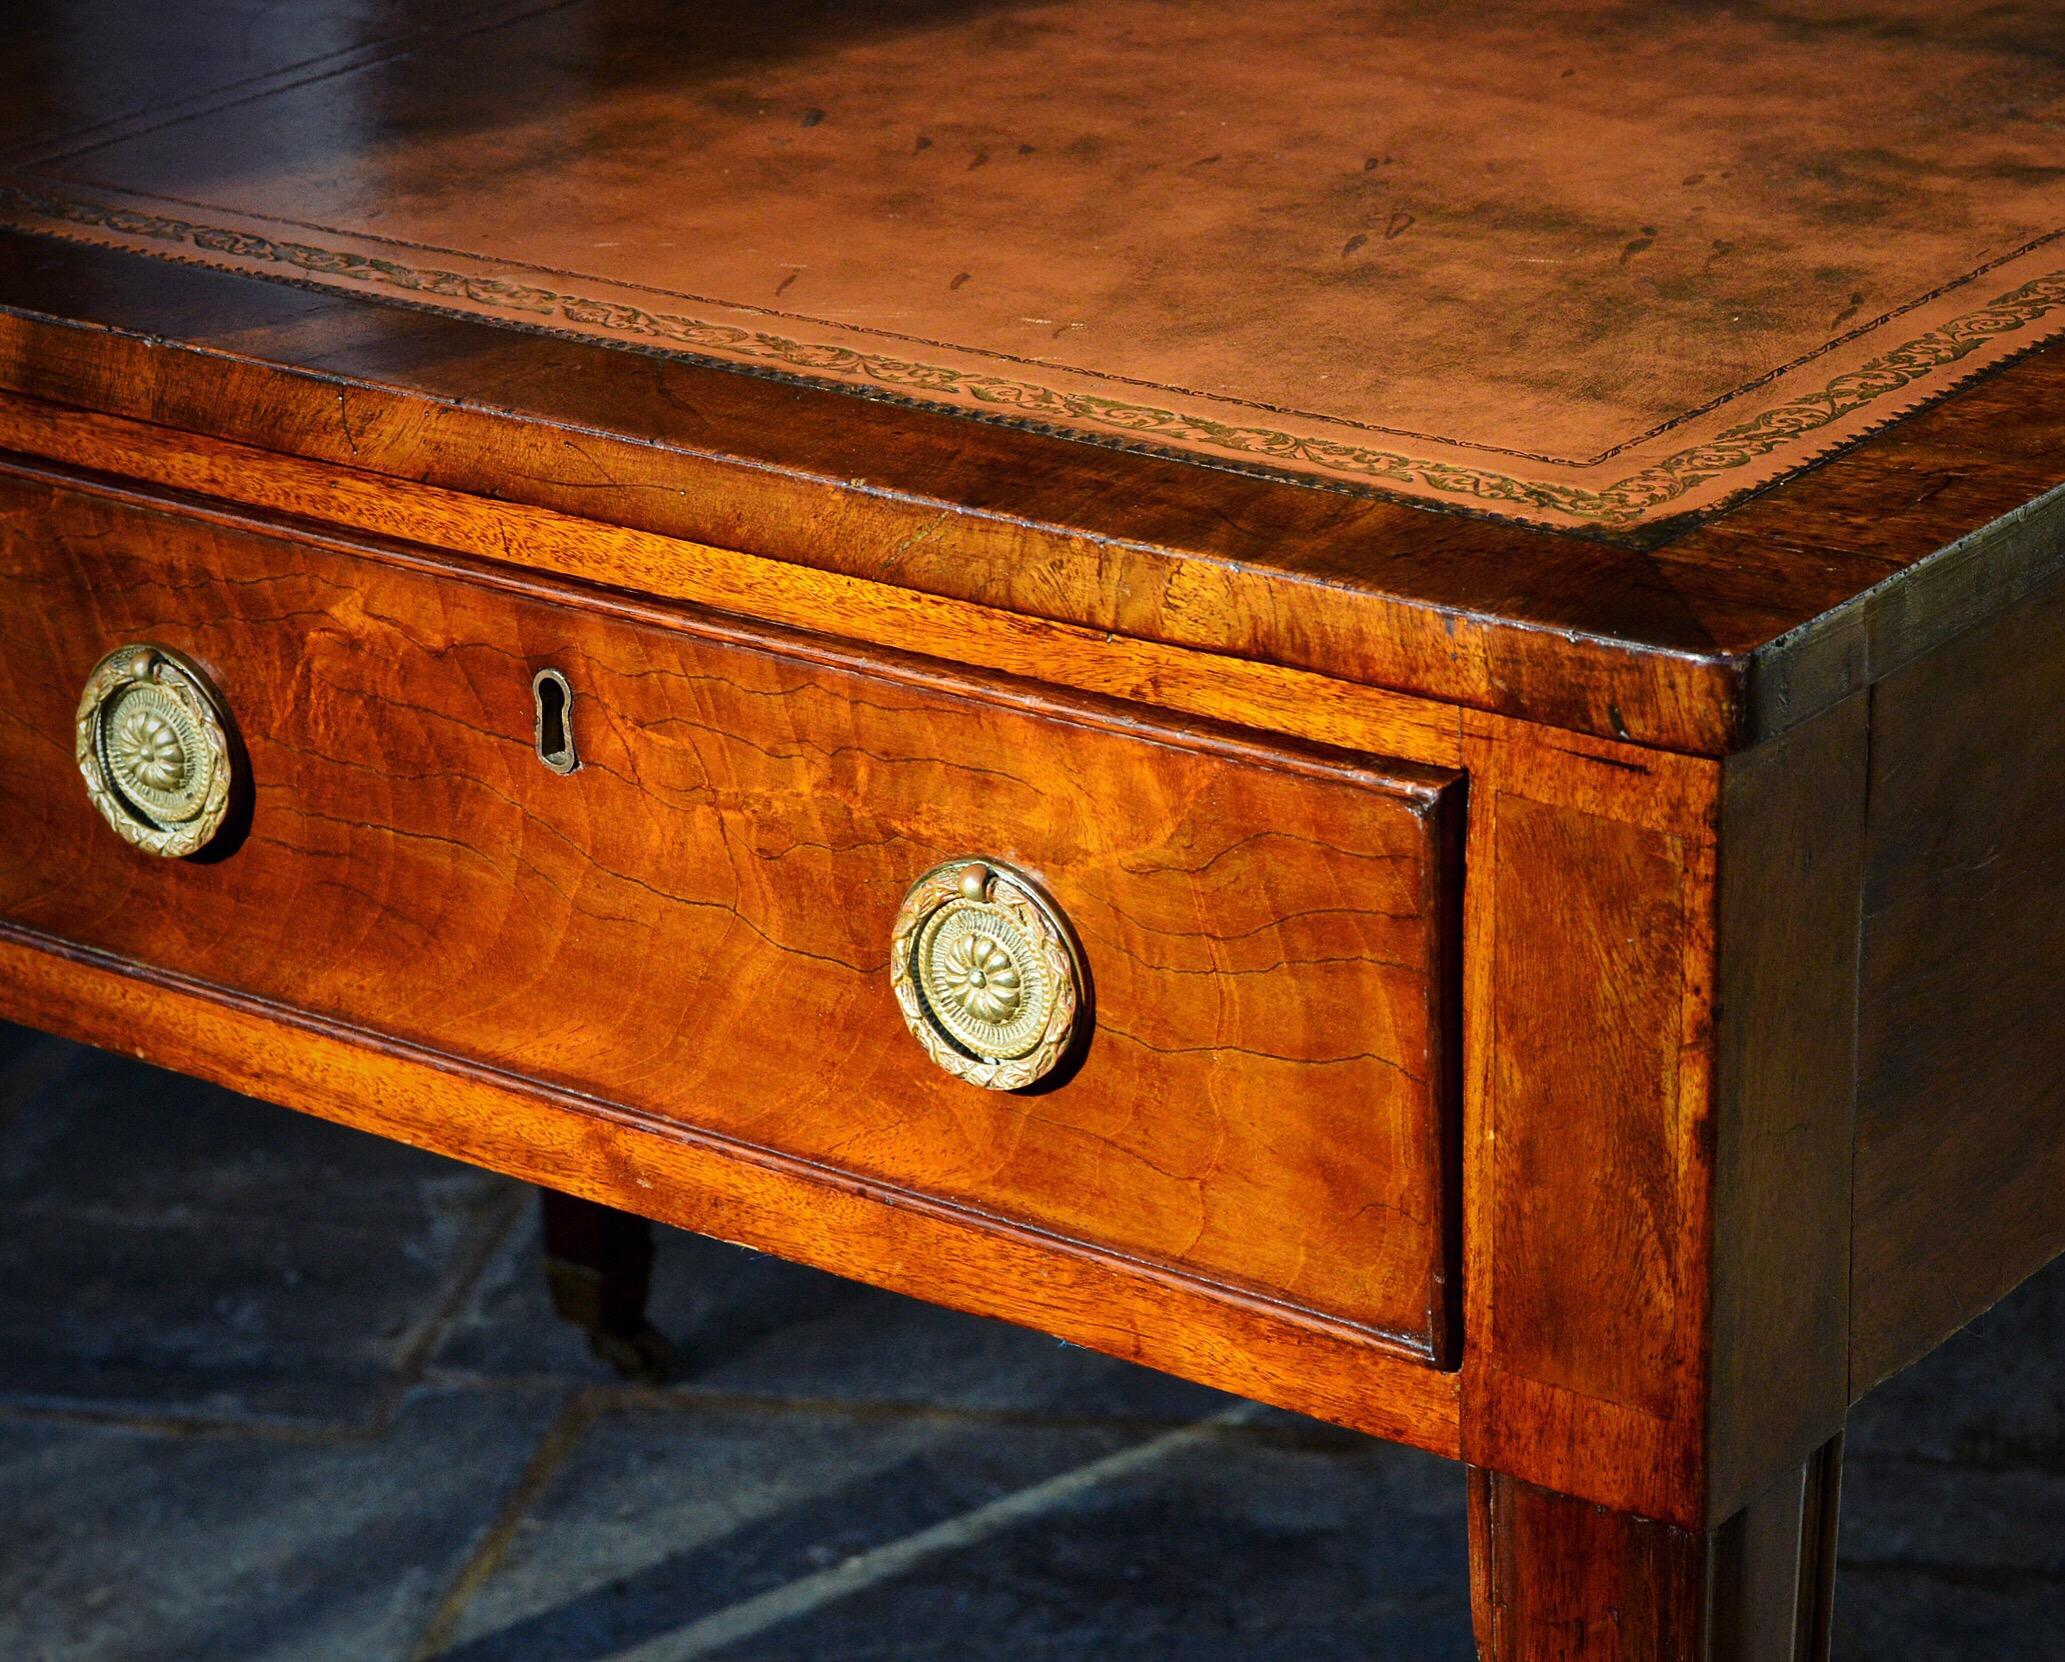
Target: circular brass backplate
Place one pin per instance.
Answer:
(154, 750)
(987, 973)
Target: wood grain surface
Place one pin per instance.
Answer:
(1124, 545)
(1790, 894)
(1703, 638)
(1961, 1097)
(662, 1169)
(1660, 996)
(696, 922)
(216, 478)
(1588, 948)
(1556, 1580)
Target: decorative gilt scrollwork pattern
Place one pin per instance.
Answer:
(987, 973)
(154, 750)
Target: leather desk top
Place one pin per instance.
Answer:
(1700, 330)
(1592, 266)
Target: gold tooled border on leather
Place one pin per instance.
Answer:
(1644, 495)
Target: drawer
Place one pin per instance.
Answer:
(696, 922)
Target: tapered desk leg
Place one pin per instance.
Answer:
(598, 1264)
(1560, 1580)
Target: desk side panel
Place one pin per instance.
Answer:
(1960, 1186)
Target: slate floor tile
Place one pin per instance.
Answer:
(16, 1042)
(1953, 1534)
(126, 1546)
(771, 1536)
(168, 1248)
(751, 1325)
(1910, 1615)
(1955, 1518)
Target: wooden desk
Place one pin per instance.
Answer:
(1356, 702)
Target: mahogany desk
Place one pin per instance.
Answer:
(1359, 701)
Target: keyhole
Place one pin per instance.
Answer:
(555, 721)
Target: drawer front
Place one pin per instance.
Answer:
(696, 922)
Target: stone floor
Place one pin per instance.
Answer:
(272, 1389)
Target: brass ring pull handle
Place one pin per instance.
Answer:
(154, 748)
(987, 973)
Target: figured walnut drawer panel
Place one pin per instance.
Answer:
(696, 922)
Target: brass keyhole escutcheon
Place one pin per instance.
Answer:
(153, 747)
(987, 973)
(554, 729)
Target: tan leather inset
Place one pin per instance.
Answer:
(1592, 265)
